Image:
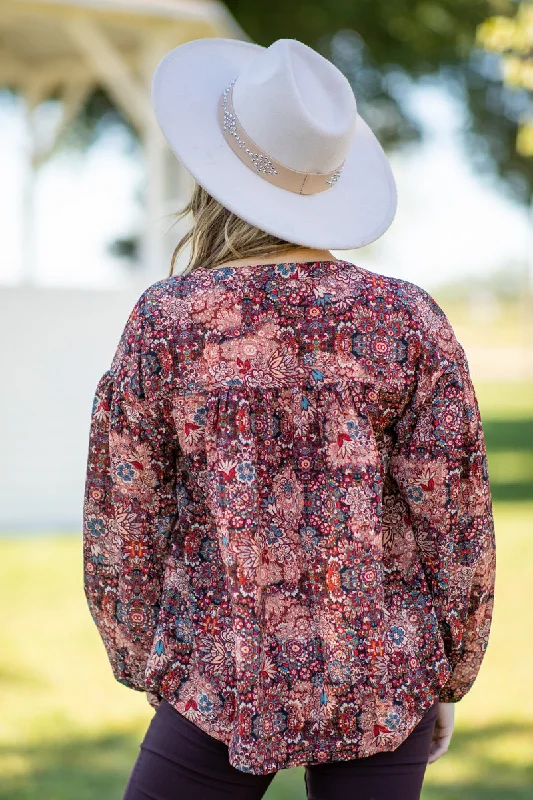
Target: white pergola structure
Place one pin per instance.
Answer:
(68, 47)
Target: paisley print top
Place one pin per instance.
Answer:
(287, 524)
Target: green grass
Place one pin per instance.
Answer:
(68, 731)
(507, 414)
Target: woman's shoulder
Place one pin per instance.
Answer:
(162, 302)
(412, 297)
(172, 300)
(423, 317)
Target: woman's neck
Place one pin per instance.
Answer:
(296, 255)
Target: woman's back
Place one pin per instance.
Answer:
(327, 572)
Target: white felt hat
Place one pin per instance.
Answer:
(274, 135)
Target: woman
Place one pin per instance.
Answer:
(288, 533)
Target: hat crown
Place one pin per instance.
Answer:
(296, 106)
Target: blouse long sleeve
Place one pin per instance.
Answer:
(129, 503)
(440, 466)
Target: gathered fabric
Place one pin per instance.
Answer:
(287, 523)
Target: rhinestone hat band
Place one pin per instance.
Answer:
(266, 166)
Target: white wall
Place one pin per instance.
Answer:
(54, 346)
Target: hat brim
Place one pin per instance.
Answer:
(186, 88)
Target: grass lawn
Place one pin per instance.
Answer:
(68, 731)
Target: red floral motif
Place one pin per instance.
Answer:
(287, 521)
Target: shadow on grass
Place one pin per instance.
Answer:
(76, 768)
(494, 757)
(497, 759)
(511, 492)
(509, 436)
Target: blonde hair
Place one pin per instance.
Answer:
(218, 235)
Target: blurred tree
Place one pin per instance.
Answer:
(382, 46)
(513, 38)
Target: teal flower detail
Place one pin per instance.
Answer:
(126, 472)
(245, 472)
(96, 527)
(415, 494)
(392, 721)
(396, 634)
(205, 704)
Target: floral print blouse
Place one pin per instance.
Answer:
(287, 525)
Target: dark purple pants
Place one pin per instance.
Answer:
(179, 761)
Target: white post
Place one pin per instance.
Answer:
(154, 246)
(27, 276)
(31, 95)
(153, 251)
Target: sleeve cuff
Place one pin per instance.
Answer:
(449, 694)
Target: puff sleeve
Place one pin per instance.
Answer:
(129, 509)
(439, 463)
